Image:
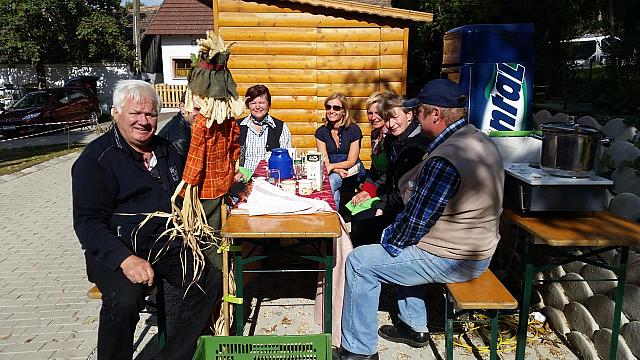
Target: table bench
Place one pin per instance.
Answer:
(554, 237)
(315, 230)
(159, 309)
(484, 294)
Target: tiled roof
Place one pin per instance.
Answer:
(182, 17)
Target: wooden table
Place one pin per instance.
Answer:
(319, 229)
(558, 232)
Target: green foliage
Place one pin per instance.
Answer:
(555, 21)
(56, 31)
(614, 89)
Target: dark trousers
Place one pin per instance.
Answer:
(366, 228)
(122, 301)
(213, 212)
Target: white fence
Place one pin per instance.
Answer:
(57, 74)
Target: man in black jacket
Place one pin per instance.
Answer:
(119, 178)
(178, 130)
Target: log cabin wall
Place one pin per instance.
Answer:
(303, 53)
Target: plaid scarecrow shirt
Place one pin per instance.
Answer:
(212, 156)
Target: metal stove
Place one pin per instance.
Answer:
(528, 188)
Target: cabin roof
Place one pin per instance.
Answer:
(194, 17)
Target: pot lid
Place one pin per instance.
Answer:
(569, 128)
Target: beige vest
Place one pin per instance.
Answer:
(468, 227)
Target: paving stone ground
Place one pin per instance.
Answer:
(44, 310)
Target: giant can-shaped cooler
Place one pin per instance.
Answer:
(494, 64)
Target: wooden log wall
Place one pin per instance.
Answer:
(304, 53)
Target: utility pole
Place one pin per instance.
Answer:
(136, 37)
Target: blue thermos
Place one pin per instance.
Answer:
(281, 160)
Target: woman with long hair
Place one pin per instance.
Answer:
(339, 142)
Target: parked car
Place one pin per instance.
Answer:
(48, 109)
(88, 84)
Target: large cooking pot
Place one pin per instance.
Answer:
(569, 149)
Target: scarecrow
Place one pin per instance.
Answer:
(212, 160)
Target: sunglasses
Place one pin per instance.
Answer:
(334, 107)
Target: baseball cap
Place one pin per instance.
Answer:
(439, 92)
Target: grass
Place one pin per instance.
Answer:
(13, 160)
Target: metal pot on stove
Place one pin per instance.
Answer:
(569, 149)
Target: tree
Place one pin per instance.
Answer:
(53, 31)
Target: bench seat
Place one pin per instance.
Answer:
(484, 294)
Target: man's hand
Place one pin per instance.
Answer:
(379, 212)
(360, 197)
(137, 270)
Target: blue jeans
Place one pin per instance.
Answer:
(335, 180)
(370, 265)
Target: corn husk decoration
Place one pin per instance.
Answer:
(211, 86)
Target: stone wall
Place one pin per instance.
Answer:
(583, 311)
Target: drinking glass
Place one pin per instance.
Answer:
(298, 168)
(274, 177)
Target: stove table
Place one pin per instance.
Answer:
(556, 235)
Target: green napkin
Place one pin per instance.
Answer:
(246, 174)
(365, 205)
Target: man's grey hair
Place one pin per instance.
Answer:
(137, 91)
(449, 115)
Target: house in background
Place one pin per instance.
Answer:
(303, 50)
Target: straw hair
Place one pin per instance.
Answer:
(347, 120)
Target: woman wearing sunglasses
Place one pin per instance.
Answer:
(339, 142)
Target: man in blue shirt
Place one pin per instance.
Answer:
(447, 232)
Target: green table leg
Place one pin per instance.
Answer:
(523, 316)
(328, 306)
(493, 343)
(448, 328)
(239, 313)
(622, 277)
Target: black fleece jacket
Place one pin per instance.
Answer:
(112, 193)
(404, 152)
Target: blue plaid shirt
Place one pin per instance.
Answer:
(438, 182)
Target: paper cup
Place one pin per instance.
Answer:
(288, 186)
(305, 186)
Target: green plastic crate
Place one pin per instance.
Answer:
(264, 347)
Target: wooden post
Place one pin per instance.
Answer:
(225, 273)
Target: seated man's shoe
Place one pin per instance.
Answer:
(347, 355)
(401, 333)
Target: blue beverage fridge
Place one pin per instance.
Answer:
(494, 64)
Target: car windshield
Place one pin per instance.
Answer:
(32, 100)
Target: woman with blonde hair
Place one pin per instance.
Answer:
(405, 145)
(339, 141)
